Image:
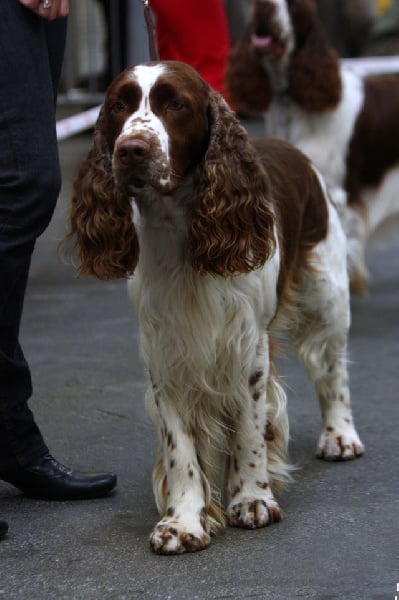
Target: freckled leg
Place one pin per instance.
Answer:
(321, 345)
(339, 439)
(251, 502)
(181, 490)
(325, 362)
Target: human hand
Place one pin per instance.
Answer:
(54, 10)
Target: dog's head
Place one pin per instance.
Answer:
(160, 125)
(284, 37)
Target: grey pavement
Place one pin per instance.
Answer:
(340, 535)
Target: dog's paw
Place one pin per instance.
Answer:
(339, 445)
(176, 538)
(253, 513)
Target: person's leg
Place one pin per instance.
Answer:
(29, 185)
(31, 52)
(195, 33)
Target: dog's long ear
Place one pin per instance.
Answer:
(314, 73)
(106, 243)
(231, 221)
(247, 83)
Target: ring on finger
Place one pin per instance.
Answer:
(46, 4)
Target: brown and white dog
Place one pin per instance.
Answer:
(347, 125)
(227, 244)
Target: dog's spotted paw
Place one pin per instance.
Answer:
(176, 538)
(339, 445)
(254, 513)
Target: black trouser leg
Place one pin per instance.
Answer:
(31, 53)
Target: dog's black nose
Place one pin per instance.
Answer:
(133, 150)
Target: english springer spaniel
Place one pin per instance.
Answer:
(227, 243)
(347, 125)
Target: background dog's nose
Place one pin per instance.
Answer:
(133, 150)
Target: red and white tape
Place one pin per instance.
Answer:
(77, 123)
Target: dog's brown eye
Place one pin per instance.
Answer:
(174, 104)
(118, 107)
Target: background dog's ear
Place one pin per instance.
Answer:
(231, 222)
(101, 220)
(314, 73)
(247, 83)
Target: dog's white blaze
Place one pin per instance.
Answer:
(143, 118)
(282, 17)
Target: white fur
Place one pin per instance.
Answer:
(144, 119)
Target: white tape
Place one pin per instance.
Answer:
(373, 65)
(77, 123)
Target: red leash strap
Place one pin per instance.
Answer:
(152, 37)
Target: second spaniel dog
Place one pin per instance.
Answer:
(347, 125)
(227, 244)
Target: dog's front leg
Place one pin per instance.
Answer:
(251, 502)
(181, 489)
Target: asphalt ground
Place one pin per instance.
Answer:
(340, 535)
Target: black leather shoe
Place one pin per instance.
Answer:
(48, 479)
(3, 528)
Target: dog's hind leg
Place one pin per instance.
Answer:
(321, 343)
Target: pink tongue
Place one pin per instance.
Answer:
(261, 42)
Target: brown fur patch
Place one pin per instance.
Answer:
(269, 432)
(255, 377)
(374, 146)
(300, 206)
(235, 491)
(262, 484)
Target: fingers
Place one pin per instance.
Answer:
(53, 9)
(32, 4)
(48, 9)
(64, 8)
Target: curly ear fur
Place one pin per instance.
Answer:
(247, 83)
(314, 75)
(231, 222)
(106, 242)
